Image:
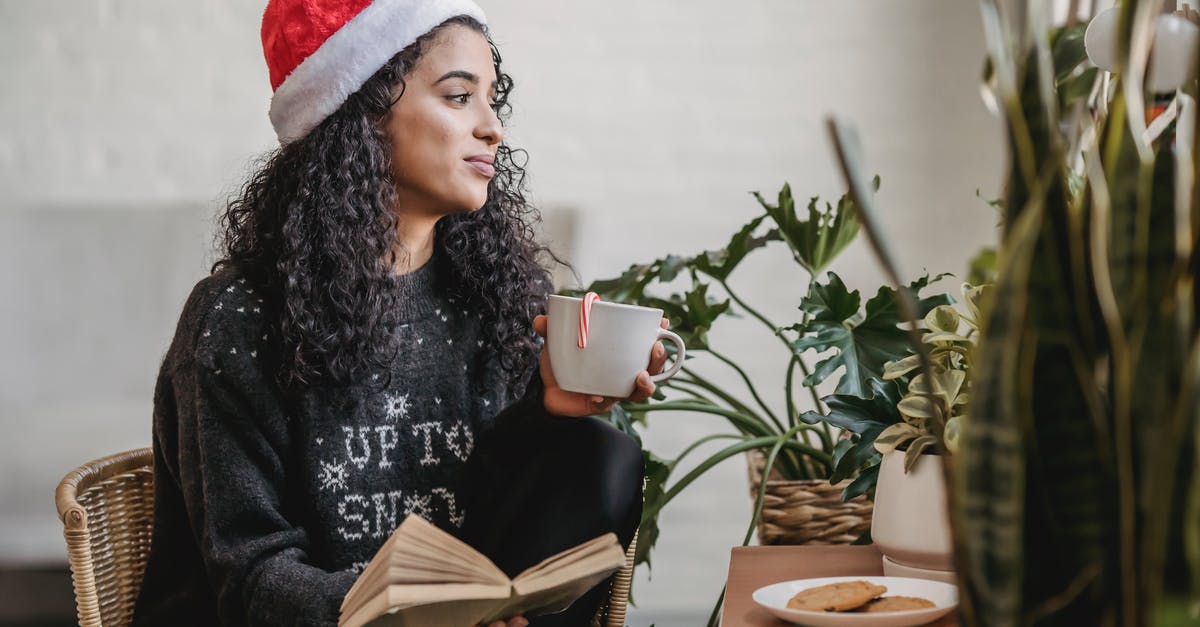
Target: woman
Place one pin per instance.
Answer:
(369, 345)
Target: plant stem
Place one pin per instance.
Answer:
(674, 383)
(796, 462)
(712, 618)
(726, 453)
(741, 303)
(744, 424)
(795, 469)
(698, 443)
(762, 484)
(794, 415)
(778, 332)
(753, 390)
(792, 412)
(723, 395)
(745, 445)
(699, 381)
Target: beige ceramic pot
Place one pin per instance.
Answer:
(910, 525)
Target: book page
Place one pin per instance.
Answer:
(426, 577)
(555, 583)
(420, 552)
(456, 612)
(574, 554)
(550, 599)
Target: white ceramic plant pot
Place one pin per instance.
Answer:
(910, 524)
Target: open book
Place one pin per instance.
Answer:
(425, 577)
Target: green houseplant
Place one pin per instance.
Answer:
(1076, 488)
(944, 392)
(898, 409)
(1078, 496)
(910, 523)
(859, 338)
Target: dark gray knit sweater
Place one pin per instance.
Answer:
(265, 515)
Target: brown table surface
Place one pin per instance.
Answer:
(752, 567)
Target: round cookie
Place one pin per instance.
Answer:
(835, 597)
(896, 604)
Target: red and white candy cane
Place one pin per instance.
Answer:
(585, 312)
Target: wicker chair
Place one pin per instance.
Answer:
(107, 507)
(612, 612)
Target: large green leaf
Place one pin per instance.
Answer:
(1123, 174)
(691, 315)
(630, 287)
(653, 498)
(1073, 77)
(1161, 357)
(864, 341)
(861, 414)
(1068, 50)
(864, 483)
(719, 264)
(990, 490)
(817, 240)
(850, 455)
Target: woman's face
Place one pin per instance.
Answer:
(443, 130)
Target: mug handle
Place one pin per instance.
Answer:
(664, 334)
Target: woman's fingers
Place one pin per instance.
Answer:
(643, 388)
(539, 324)
(600, 404)
(605, 404)
(563, 403)
(658, 358)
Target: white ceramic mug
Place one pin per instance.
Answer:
(620, 340)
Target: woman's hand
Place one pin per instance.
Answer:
(515, 621)
(563, 403)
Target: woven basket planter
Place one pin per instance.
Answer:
(807, 511)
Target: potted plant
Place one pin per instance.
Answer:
(1075, 492)
(911, 524)
(816, 482)
(1077, 500)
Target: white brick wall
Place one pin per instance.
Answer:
(120, 102)
(652, 119)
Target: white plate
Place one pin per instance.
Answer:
(943, 595)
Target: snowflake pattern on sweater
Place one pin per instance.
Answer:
(358, 459)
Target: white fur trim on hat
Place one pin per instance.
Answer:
(351, 55)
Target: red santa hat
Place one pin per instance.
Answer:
(321, 51)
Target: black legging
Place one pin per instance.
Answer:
(535, 489)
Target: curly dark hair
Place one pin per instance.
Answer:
(315, 228)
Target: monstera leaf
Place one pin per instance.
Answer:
(865, 418)
(815, 242)
(719, 264)
(859, 414)
(630, 287)
(691, 315)
(865, 341)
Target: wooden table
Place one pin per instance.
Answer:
(752, 567)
